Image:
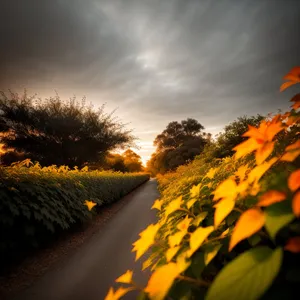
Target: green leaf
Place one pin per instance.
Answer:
(254, 239)
(210, 252)
(278, 215)
(248, 276)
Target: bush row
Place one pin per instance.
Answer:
(37, 204)
(229, 228)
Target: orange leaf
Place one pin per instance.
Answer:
(294, 180)
(296, 204)
(271, 197)
(293, 74)
(245, 148)
(260, 170)
(296, 99)
(287, 84)
(293, 244)
(264, 152)
(251, 221)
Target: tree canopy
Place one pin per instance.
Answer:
(178, 144)
(53, 131)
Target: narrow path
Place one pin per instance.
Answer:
(92, 269)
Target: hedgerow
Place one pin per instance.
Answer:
(37, 204)
(229, 228)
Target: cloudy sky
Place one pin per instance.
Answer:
(156, 61)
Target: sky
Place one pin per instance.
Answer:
(154, 61)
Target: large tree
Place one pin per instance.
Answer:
(178, 144)
(59, 132)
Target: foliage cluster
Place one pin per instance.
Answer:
(57, 132)
(229, 228)
(177, 145)
(37, 204)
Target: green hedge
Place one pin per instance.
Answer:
(38, 204)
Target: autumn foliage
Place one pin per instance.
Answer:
(229, 228)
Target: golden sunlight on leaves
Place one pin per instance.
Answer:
(293, 76)
(227, 189)
(200, 217)
(194, 191)
(184, 224)
(182, 262)
(241, 172)
(161, 281)
(260, 170)
(242, 188)
(211, 173)
(176, 238)
(223, 209)
(292, 152)
(146, 240)
(198, 237)
(251, 221)
(89, 204)
(191, 202)
(293, 244)
(271, 197)
(264, 152)
(245, 148)
(171, 253)
(294, 180)
(115, 295)
(296, 204)
(125, 278)
(173, 206)
(157, 204)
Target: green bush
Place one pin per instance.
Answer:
(38, 204)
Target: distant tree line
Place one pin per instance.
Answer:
(182, 142)
(57, 132)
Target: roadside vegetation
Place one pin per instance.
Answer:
(228, 223)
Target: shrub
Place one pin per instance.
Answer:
(229, 228)
(37, 204)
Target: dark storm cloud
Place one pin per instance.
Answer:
(158, 61)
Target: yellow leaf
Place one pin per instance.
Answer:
(296, 204)
(200, 217)
(242, 188)
(184, 224)
(255, 188)
(161, 281)
(271, 197)
(211, 173)
(264, 152)
(211, 253)
(157, 204)
(120, 292)
(260, 170)
(191, 202)
(245, 148)
(194, 191)
(241, 172)
(176, 238)
(198, 237)
(146, 240)
(171, 253)
(227, 189)
(173, 206)
(294, 180)
(182, 262)
(223, 209)
(125, 278)
(251, 221)
(147, 263)
(224, 233)
(90, 204)
(292, 152)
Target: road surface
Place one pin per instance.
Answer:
(88, 273)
